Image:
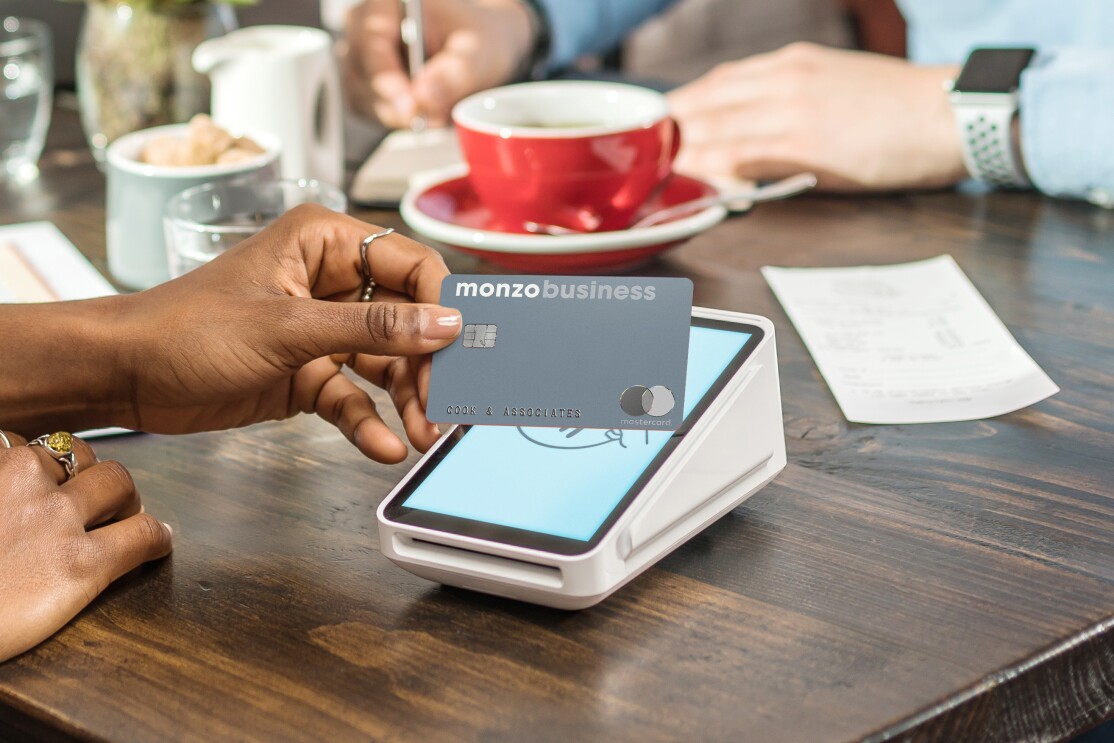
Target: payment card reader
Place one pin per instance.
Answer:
(565, 516)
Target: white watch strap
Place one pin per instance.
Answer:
(988, 149)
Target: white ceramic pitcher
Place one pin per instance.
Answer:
(283, 80)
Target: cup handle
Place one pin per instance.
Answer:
(674, 148)
(325, 140)
(666, 171)
(676, 141)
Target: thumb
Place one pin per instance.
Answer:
(320, 328)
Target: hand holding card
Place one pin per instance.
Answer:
(564, 351)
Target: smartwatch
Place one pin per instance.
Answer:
(984, 99)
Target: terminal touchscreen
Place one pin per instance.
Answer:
(559, 490)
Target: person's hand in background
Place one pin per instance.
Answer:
(859, 121)
(471, 45)
(62, 541)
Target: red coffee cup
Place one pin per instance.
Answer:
(578, 154)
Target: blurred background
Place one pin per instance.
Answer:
(679, 45)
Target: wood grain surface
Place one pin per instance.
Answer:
(944, 582)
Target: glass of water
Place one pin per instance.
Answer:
(26, 94)
(204, 221)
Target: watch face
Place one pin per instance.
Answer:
(993, 70)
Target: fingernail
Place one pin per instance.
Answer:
(169, 528)
(439, 323)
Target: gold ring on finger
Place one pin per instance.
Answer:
(59, 445)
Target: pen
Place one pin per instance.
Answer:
(413, 37)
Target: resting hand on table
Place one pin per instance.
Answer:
(859, 121)
(62, 541)
(471, 44)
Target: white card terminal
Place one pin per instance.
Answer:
(565, 517)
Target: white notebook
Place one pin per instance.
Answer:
(385, 176)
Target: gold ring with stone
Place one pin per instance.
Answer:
(59, 445)
(369, 282)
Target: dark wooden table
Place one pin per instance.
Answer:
(933, 582)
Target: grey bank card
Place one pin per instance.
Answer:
(564, 351)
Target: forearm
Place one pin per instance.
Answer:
(62, 366)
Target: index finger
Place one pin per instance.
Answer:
(374, 37)
(331, 246)
(372, 30)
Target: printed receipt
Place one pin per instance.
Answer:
(909, 343)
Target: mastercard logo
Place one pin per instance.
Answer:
(653, 401)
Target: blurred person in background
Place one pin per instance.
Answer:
(861, 121)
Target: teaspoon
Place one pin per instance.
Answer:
(790, 186)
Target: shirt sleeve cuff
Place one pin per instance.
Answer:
(1066, 110)
(579, 27)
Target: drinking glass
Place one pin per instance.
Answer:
(204, 221)
(26, 94)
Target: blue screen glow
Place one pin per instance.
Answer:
(560, 481)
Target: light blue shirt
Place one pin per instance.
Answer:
(1067, 94)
